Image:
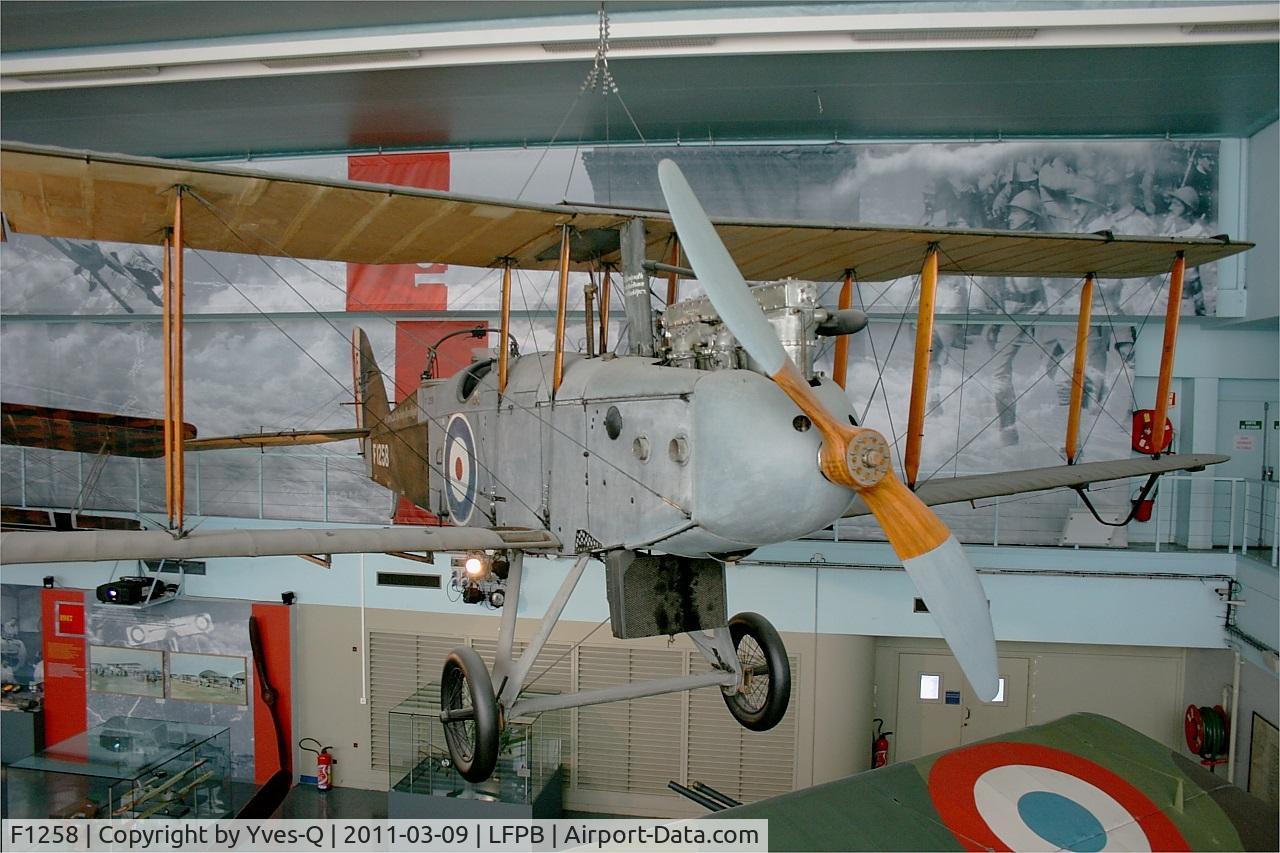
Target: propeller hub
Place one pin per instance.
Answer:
(867, 457)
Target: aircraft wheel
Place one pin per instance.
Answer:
(466, 693)
(761, 700)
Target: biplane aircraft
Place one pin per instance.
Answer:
(636, 458)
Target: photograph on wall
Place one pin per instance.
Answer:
(1264, 761)
(136, 672)
(207, 678)
(21, 648)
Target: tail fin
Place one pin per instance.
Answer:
(395, 450)
(372, 409)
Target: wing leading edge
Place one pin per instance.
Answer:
(93, 546)
(89, 196)
(978, 486)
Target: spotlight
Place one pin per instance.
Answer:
(476, 566)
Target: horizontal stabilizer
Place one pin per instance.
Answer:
(89, 196)
(77, 431)
(979, 486)
(91, 546)
(286, 438)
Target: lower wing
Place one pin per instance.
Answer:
(978, 486)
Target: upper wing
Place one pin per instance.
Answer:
(90, 546)
(977, 486)
(928, 803)
(89, 196)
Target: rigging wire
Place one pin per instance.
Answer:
(510, 400)
(436, 420)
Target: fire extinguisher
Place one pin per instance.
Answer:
(324, 763)
(880, 745)
(1143, 507)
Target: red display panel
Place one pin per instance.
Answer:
(65, 659)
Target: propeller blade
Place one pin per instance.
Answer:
(943, 576)
(739, 311)
(717, 272)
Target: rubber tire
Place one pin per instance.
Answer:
(774, 707)
(465, 663)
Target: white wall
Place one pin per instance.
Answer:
(1262, 225)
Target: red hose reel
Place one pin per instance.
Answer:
(1208, 733)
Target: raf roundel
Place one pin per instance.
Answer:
(1022, 796)
(460, 470)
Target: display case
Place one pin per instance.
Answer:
(126, 768)
(528, 781)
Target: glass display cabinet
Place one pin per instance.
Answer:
(528, 782)
(126, 768)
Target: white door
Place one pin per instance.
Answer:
(937, 710)
(1006, 713)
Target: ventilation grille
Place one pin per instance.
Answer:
(619, 45)
(976, 34)
(342, 59)
(628, 746)
(1241, 27)
(412, 579)
(746, 765)
(398, 665)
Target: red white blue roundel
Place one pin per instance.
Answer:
(460, 469)
(1024, 796)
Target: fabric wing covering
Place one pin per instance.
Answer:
(83, 195)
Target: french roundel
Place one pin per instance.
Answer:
(460, 469)
(1024, 796)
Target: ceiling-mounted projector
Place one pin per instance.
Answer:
(133, 590)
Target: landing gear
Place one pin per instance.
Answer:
(469, 714)
(760, 699)
(745, 659)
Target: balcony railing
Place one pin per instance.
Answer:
(1191, 511)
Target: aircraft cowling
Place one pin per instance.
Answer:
(755, 476)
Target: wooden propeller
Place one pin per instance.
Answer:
(854, 457)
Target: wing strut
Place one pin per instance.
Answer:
(841, 367)
(174, 463)
(920, 372)
(1171, 317)
(561, 306)
(605, 287)
(1077, 372)
(503, 348)
(673, 277)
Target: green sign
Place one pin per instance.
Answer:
(1251, 425)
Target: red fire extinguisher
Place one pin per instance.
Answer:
(880, 745)
(324, 763)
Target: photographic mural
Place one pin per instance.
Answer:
(267, 343)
